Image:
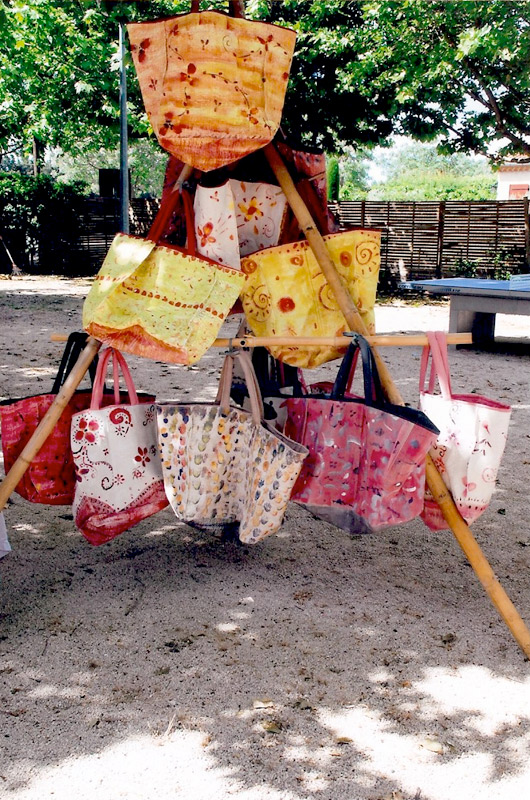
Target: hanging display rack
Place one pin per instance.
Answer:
(355, 323)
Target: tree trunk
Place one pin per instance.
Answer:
(38, 156)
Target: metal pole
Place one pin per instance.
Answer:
(124, 160)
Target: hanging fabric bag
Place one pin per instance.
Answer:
(160, 301)
(117, 464)
(366, 464)
(216, 224)
(50, 477)
(286, 293)
(236, 218)
(473, 432)
(213, 85)
(223, 465)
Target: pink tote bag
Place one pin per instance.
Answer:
(473, 432)
(366, 464)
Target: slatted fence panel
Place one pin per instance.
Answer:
(430, 239)
(419, 239)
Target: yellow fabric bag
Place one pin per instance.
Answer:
(158, 301)
(286, 293)
(213, 85)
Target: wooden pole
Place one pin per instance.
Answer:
(435, 482)
(399, 340)
(49, 420)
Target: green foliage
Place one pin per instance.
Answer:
(333, 178)
(147, 164)
(421, 185)
(362, 71)
(459, 69)
(30, 209)
(355, 174)
(499, 266)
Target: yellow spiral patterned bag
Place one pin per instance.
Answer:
(286, 293)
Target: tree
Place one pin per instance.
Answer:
(355, 173)
(414, 171)
(59, 84)
(362, 71)
(458, 69)
(333, 178)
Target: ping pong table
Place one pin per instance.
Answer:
(474, 302)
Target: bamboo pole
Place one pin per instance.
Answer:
(49, 420)
(388, 340)
(435, 482)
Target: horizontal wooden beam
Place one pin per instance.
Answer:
(382, 340)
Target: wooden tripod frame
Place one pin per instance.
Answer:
(435, 482)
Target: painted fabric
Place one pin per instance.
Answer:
(213, 86)
(50, 477)
(473, 433)
(308, 170)
(117, 464)
(158, 301)
(237, 218)
(216, 224)
(286, 293)
(366, 464)
(223, 465)
(260, 212)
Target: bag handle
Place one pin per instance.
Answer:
(225, 384)
(373, 390)
(439, 367)
(236, 8)
(118, 363)
(74, 347)
(165, 213)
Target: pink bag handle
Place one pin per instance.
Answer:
(225, 385)
(118, 362)
(437, 349)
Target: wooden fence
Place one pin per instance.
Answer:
(430, 239)
(420, 239)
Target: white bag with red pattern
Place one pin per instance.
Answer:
(116, 458)
(473, 431)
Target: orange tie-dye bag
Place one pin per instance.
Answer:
(213, 85)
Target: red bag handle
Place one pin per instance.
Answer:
(164, 215)
(118, 363)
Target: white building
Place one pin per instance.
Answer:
(513, 179)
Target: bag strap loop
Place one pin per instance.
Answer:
(373, 391)
(73, 349)
(119, 363)
(439, 365)
(225, 384)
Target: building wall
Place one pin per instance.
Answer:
(511, 184)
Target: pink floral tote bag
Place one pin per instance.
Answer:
(473, 432)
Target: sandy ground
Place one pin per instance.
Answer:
(169, 665)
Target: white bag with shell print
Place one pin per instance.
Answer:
(224, 466)
(473, 431)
